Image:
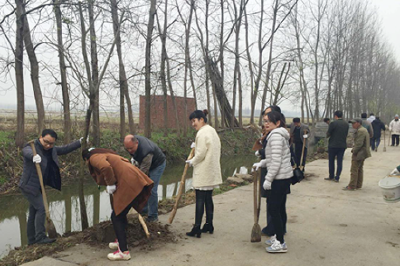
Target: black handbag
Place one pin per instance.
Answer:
(297, 177)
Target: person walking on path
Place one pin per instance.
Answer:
(337, 134)
(278, 178)
(128, 188)
(378, 126)
(299, 133)
(394, 127)
(151, 160)
(47, 157)
(367, 125)
(360, 151)
(206, 171)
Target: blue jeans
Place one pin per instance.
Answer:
(375, 143)
(152, 204)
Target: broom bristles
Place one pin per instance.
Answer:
(256, 233)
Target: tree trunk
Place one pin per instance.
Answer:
(34, 73)
(95, 75)
(123, 83)
(63, 72)
(150, 26)
(19, 73)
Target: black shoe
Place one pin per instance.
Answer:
(207, 227)
(46, 240)
(195, 231)
(336, 180)
(329, 179)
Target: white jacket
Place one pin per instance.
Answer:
(394, 126)
(277, 155)
(371, 118)
(206, 162)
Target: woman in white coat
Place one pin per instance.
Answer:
(277, 161)
(206, 171)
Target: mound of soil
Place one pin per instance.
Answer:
(99, 235)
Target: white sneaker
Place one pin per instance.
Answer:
(113, 245)
(271, 240)
(277, 247)
(119, 255)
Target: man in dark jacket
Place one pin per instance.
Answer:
(298, 136)
(337, 134)
(47, 157)
(152, 162)
(377, 125)
(367, 125)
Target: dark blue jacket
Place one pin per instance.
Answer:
(29, 181)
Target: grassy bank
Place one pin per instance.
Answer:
(238, 141)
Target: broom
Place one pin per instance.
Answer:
(181, 189)
(50, 228)
(384, 141)
(256, 231)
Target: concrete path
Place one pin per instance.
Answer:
(326, 226)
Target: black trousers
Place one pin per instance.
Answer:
(204, 199)
(337, 153)
(395, 139)
(119, 223)
(297, 148)
(277, 206)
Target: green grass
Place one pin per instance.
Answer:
(5, 136)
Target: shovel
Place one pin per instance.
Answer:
(51, 229)
(181, 189)
(256, 231)
(384, 141)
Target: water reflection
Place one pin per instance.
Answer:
(65, 210)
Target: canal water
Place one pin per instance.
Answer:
(65, 210)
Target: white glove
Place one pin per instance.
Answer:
(305, 136)
(37, 158)
(257, 154)
(395, 172)
(267, 185)
(257, 165)
(189, 162)
(193, 145)
(111, 189)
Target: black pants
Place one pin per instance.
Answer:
(297, 148)
(119, 223)
(204, 198)
(37, 215)
(395, 139)
(277, 206)
(335, 153)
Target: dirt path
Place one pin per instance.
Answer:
(326, 226)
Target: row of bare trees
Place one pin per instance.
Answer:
(316, 55)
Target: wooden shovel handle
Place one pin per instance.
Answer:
(39, 172)
(302, 152)
(142, 222)
(255, 196)
(181, 189)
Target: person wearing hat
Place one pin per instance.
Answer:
(394, 127)
(360, 151)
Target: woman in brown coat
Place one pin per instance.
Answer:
(128, 186)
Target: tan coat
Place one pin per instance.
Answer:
(132, 184)
(206, 162)
(361, 149)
